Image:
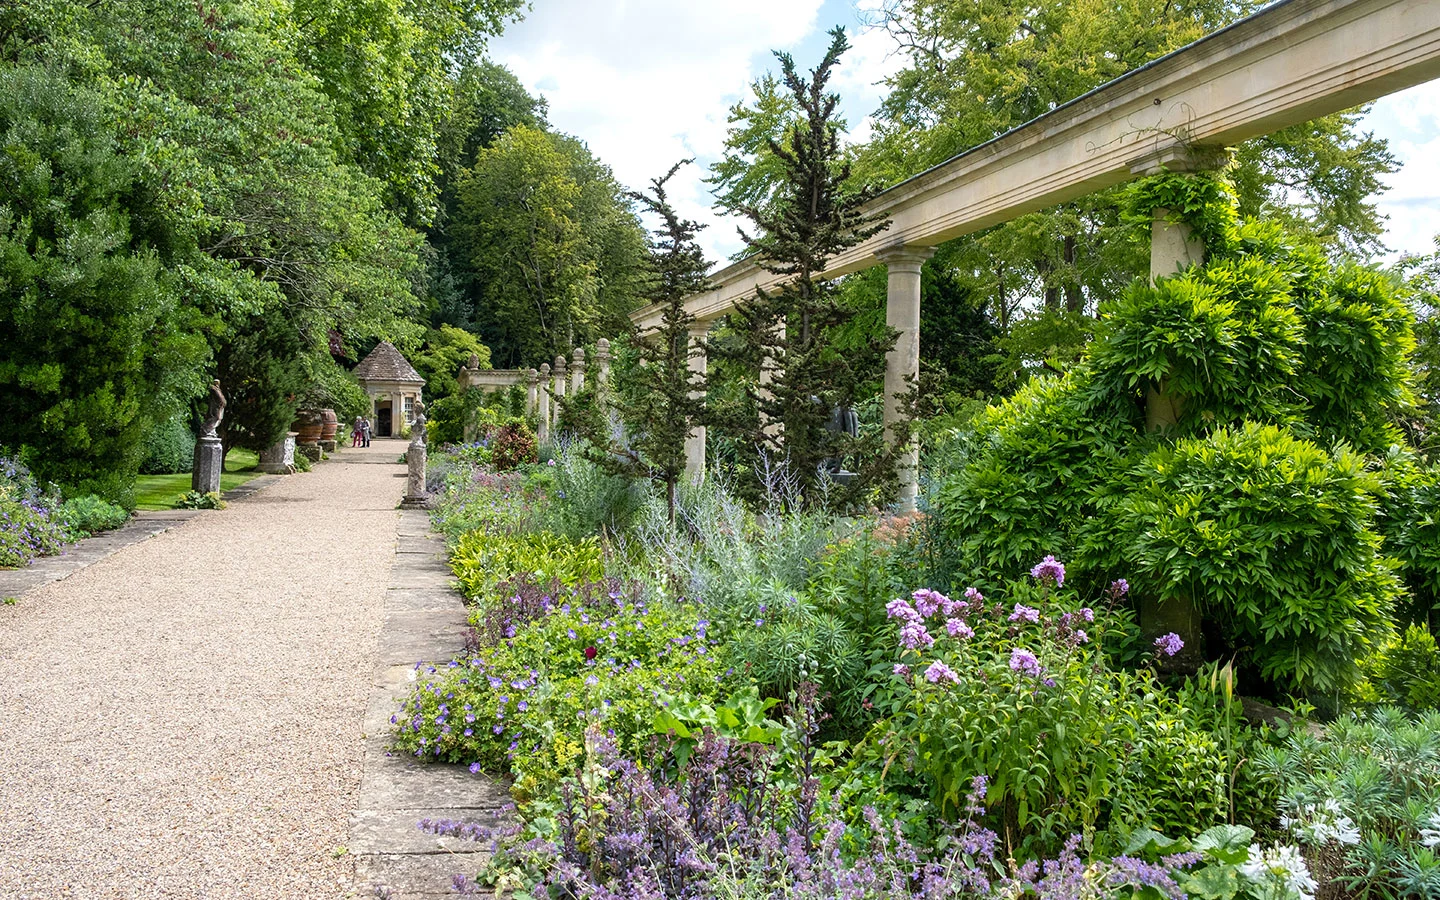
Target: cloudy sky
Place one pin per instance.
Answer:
(648, 82)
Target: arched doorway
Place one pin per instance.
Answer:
(383, 419)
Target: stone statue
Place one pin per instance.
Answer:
(417, 428)
(845, 420)
(216, 412)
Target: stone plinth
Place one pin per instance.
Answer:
(209, 463)
(328, 446)
(279, 459)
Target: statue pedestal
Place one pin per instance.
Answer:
(415, 494)
(209, 462)
(279, 459)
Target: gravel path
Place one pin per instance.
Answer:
(183, 718)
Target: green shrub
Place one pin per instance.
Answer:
(197, 500)
(84, 516)
(1403, 671)
(587, 500)
(1271, 537)
(481, 560)
(514, 445)
(1409, 518)
(169, 447)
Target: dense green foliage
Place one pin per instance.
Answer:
(84, 516)
(169, 447)
(1211, 445)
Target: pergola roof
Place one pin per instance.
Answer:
(385, 363)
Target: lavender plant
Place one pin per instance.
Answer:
(29, 522)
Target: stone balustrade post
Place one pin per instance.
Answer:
(531, 389)
(542, 432)
(577, 371)
(557, 387)
(602, 364)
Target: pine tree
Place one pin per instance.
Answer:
(793, 331)
(661, 397)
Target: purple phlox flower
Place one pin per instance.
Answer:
(902, 670)
(974, 596)
(1049, 569)
(899, 609)
(959, 629)
(1169, 644)
(1048, 682)
(938, 672)
(1080, 637)
(928, 602)
(913, 636)
(1025, 613)
(1024, 662)
(1086, 613)
(1119, 588)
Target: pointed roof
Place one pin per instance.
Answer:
(385, 363)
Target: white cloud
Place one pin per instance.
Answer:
(1411, 122)
(648, 82)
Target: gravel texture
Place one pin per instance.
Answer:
(183, 719)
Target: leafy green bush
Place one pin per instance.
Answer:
(589, 501)
(197, 500)
(1404, 671)
(1363, 798)
(481, 560)
(169, 447)
(523, 705)
(1409, 518)
(1271, 537)
(84, 516)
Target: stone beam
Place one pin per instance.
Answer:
(1291, 62)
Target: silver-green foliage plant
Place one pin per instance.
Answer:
(1363, 798)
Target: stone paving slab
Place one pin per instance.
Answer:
(425, 621)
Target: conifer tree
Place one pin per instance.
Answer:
(794, 330)
(661, 397)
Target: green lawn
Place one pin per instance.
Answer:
(161, 491)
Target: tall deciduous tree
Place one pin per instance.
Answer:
(814, 214)
(979, 69)
(93, 331)
(553, 246)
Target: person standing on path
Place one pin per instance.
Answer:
(355, 431)
(364, 432)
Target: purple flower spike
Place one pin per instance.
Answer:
(1049, 569)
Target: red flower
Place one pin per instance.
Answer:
(590, 652)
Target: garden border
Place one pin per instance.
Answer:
(425, 622)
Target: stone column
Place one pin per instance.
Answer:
(531, 388)
(558, 388)
(1173, 248)
(902, 364)
(577, 371)
(695, 440)
(397, 413)
(542, 434)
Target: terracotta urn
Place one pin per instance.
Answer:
(330, 424)
(309, 423)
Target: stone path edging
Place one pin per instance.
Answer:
(86, 553)
(425, 621)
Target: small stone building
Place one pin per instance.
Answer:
(394, 389)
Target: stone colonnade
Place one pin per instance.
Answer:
(1173, 247)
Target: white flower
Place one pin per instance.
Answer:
(1318, 824)
(1430, 836)
(1281, 867)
